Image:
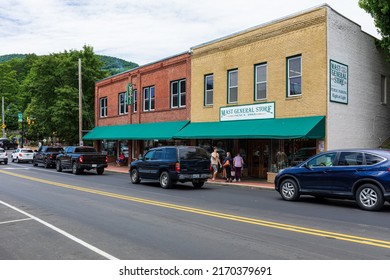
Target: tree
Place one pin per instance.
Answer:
(380, 11)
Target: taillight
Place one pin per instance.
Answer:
(51, 156)
(106, 159)
(177, 166)
(20, 155)
(81, 159)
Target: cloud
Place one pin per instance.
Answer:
(140, 31)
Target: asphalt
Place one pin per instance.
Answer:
(245, 182)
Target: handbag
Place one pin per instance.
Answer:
(226, 164)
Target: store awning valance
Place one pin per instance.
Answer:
(286, 128)
(144, 131)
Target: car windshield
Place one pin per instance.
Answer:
(192, 153)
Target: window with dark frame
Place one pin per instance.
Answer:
(103, 107)
(232, 86)
(148, 99)
(261, 81)
(294, 74)
(209, 90)
(178, 94)
(122, 104)
(135, 101)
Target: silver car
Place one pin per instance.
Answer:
(3, 156)
(22, 155)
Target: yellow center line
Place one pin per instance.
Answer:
(220, 215)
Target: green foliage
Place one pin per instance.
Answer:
(45, 89)
(380, 11)
(116, 65)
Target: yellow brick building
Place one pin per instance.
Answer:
(253, 67)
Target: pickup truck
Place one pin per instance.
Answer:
(80, 158)
(46, 155)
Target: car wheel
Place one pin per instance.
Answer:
(134, 176)
(289, 190)
(17, 160)
(12, 159)
(46, 164)
(58, 166)
(369, 197)
(100, 171)
(75, 169)
(198, 184)
(165, 180)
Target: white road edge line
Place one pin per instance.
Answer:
(15, 221)
(64, 233)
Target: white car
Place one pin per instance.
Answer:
(22, 155)
(3, 156)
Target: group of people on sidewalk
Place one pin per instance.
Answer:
(229, 164)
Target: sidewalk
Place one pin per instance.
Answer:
(246, 182)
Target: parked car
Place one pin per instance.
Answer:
(171, 164)
(7, 144)
(361, 174)
(3, 156)
(22, 155)
(46, 155)
(80, 158)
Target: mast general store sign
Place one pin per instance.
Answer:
(247, 112)
(338, 82)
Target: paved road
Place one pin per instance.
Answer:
(50, 215)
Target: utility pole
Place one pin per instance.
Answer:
(80, 107)
(2, 115)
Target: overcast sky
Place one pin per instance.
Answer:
(143, 31)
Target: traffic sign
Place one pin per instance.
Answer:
(3, 126)
(20, 117)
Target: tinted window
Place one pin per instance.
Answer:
(170, 153)
(322, 160)
(350, 158)
(373, 159)
(192, 153)
(85, 150)
(149, 155)
(158, 154)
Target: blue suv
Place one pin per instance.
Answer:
(360, 174)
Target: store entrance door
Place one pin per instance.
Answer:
(258, 153)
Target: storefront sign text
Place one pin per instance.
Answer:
(338, 82)
(248, 112)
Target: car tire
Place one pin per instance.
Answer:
(165, 180)
(289, 190)
(46, 164)
(17, 160)
(134, 176)
(100, 171)
(75, 169)
(58, 166)
(198, 184)
(369, 197)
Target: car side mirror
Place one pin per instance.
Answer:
(307, 166)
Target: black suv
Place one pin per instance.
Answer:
(6, 144)
(172, 164)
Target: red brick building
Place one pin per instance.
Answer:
(160, 105)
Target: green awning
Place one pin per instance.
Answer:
(144, 131)
(287, 128)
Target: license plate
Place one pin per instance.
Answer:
(196, 176)
(94, 165)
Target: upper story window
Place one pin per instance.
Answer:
(261, 81)
(103, 107)
(294, 74)
(208, 90)
(232, 86)
(149, 99)
(178, 94)
(383, 90)
(135, 100)
(122, 104)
